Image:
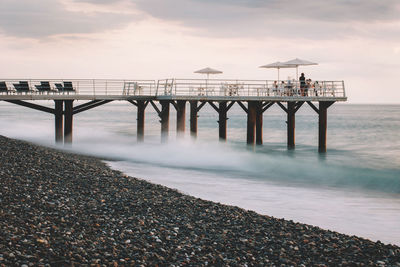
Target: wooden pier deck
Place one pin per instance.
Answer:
(253, 96)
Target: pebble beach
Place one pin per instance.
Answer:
(63, 209)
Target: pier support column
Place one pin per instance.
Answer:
(322, 124)
(193, 118)
(58, 118)
(259, 123)
(68, 121)
(222, 120)
(141, 106)
(251, 122)
(180, 117)
(291, 124)
(164, 120)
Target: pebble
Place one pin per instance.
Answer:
(63, 209)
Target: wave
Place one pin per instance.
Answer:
(300, 168)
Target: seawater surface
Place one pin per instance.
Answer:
(354, 188)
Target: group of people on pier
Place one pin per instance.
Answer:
(290, 87)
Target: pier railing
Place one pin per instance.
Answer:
(107, 87)
(214, 87)
(173, 87)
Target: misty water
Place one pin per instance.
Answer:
(354, 188)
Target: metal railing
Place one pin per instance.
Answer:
(79, 86)
(213, 87)
(174, 87)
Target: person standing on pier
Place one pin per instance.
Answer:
(302, 80)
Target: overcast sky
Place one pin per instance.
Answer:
(357, 41)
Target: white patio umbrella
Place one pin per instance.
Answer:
(208, 71)
(299, 62)
(277, 65)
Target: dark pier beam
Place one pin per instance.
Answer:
(164, 114)
(222, 111)
(141, 106)
(180, 117)
(68, 121)
(291, 111)
(259, 123)
(322, 122)
(251, 121)
(58, 118)
(90, 105)
(193, 118)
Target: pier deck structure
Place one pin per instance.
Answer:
(254, 96)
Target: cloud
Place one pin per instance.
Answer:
(327, 19)
(289, 19)
(328, 10)
(105, 2)
(43, 18)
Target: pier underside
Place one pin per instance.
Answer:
(64, 111)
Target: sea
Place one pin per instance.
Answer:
(354, 188)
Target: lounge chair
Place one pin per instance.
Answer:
(21, 87)
(43, 87)
(3, 87)
(68, 87)
(59, 87)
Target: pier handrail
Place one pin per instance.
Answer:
(178, 87)
(93, 87)
(233, 87)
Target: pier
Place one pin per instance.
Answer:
(255, 97)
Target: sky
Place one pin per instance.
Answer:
(357, 41)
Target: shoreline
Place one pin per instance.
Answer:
(61, 208)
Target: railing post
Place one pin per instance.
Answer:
(106, 86)
(124, 88)
(174, 83)
(94, 88)
(150, 88)
(344, 91)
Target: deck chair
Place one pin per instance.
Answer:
(59, 87)
(3, 87)
(43, 87)
(68, 87)
(21, 87)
